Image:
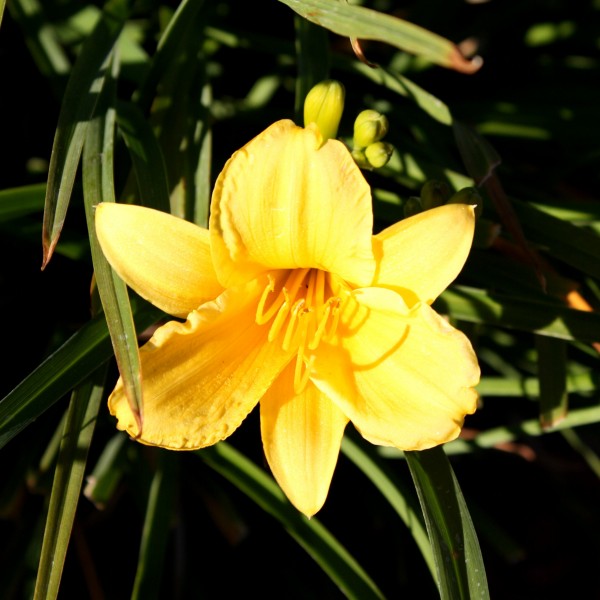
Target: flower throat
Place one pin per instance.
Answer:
(304, 312)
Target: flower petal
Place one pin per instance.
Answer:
(202, 377)
(286, 200)
(164, 259)
(413, 373)
(301, 437)
(420, 256)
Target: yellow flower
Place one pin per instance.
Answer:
(290, 301)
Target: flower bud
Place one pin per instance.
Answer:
(434, 193)
(470, 196)
(324, 105)
(369, 127)
(378, 154)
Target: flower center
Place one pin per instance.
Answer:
(304, 312)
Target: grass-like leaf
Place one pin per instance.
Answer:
(370, 463)
(552, 373)
(66, 488)
(364, 23)
(81, 95)
(56, 376)
(546, 318)
(460, 569)
(98, 186)
(329, 554)
(21, 201)
(156, 528)
(146, 155)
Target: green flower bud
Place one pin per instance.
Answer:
(412, 206)
(470, 196)
(378, 154)
(369, 127)
(324, 105)
(434, 193)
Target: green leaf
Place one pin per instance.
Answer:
(63, 370)
(156, 527)
(461, 573)
(147, 157)
(98, 186)
(21, 201)
(370, 463)
(66, 488)
(545, 318)
(552, 373)
(329, 554)
(502, 435)
(365, 23)
(401, 85)
(107, 472)
(42, 40)
(81, 95)
(312, 55)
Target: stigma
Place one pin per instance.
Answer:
(302, 312)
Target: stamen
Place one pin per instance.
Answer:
(263, 317)
(300, 377)
(284, 311)
(301, 316)
(314, 342)
(335, 313)
(295, 281)
(291, 328)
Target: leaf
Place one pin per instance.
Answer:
(156, 527)
(98, 186)
(552, 373)
(66, 488)
(63, 370)
(81, 95)
(369, 462)
(365, 23)
(312, 55)
(329, 554)
(147, 157)
(545, 318)
(460, 568)
(21, 201)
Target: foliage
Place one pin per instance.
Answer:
(144, 102)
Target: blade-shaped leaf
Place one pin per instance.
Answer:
(461, 573)
(312, 53)
(66, 488)
(63, 370)
(21, 201)
(331, 556)
(81, 95)
(365, 23)
(156, 528)
(546, 318)
(98, 186)
(552, 373)
(147, 157)
(370, 463)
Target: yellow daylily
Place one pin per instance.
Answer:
(290, 301)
